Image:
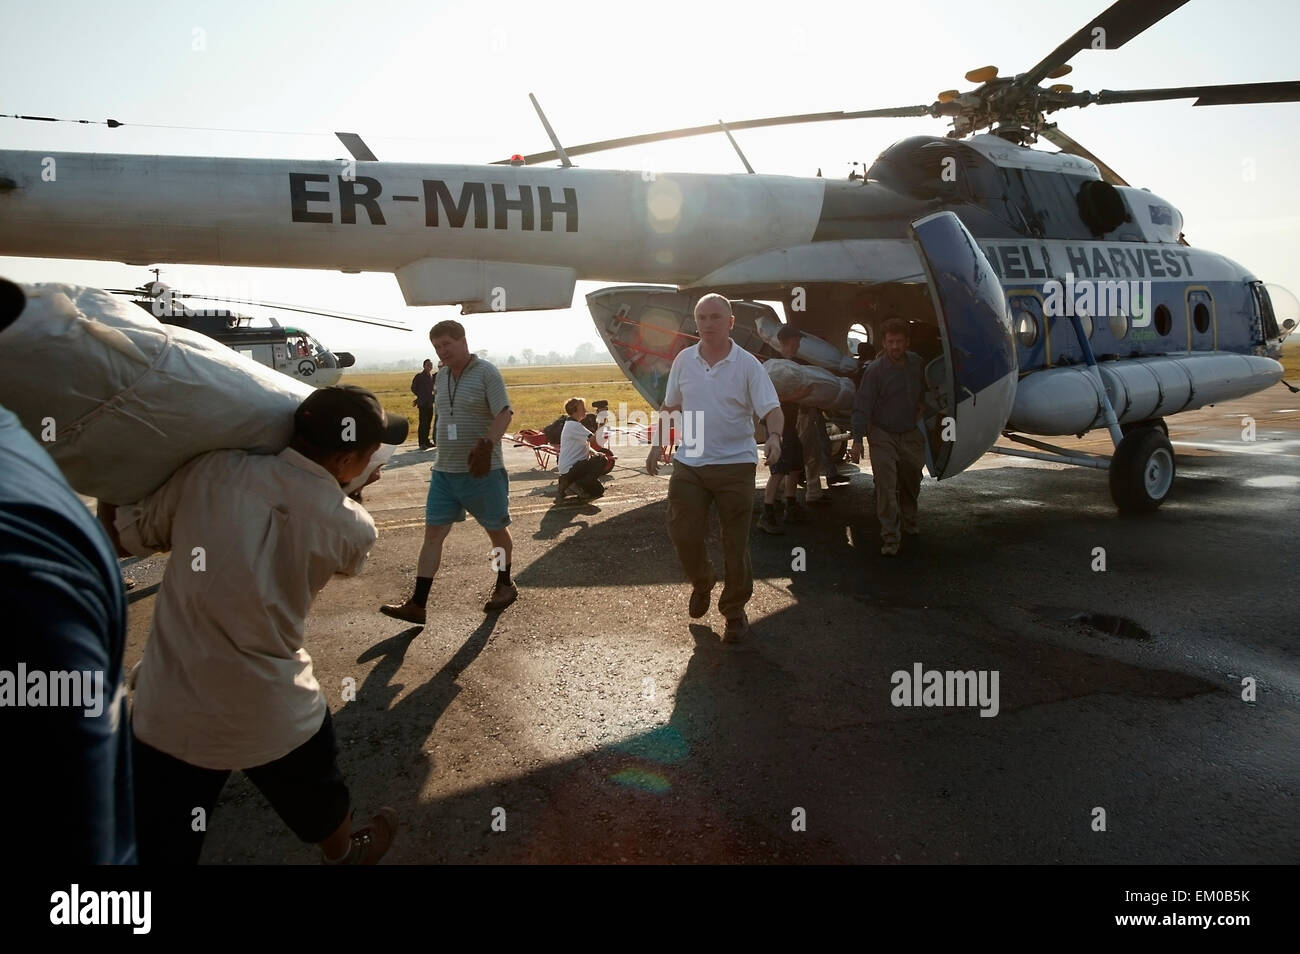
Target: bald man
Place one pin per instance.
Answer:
(718, 388)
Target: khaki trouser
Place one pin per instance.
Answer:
(691, 491)
(810, 439)
(896, 461)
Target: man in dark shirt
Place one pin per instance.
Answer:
(422, 386)
(785, 470)
(886, 410)
(63, 720)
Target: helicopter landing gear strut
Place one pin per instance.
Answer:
(1142, 467)
(1141, 470)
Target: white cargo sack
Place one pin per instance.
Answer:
(828, 392)
(127, 399)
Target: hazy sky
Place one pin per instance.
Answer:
(449, 82)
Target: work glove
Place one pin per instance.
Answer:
(480, 458)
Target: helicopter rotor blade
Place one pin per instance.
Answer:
(142, 291)
(360, 319)
(1074, 148)
(608, 144)
(1235, 94)
(1120, 22)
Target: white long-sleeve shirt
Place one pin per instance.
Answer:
(225, 682)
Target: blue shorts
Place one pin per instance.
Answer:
(486, 498)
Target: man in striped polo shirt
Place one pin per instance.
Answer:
(469, 475)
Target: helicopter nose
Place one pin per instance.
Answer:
(345, 359)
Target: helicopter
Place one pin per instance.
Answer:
(284, 348)
(1048, 297)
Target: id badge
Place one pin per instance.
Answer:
(451, 432)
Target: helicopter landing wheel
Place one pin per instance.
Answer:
(1142, 470)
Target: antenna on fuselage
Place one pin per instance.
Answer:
(736, 146)
(559, 150)
(357, 147)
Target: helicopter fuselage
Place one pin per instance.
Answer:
(836, 254)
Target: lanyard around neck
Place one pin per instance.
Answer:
(455, 382)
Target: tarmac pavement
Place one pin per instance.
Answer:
(594, 721)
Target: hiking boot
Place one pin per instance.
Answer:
(737, 629)
(700, 599)
(503, 594)
(370, 841)
(793, 512)
(768, 525)
(408, 611)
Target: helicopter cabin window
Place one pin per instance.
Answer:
(1164, 320)
(1026, 326)
(1119, 324)
(1201, 318)
(859, 342)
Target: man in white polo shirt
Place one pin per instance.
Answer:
(719, 388)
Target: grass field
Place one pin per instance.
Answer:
(1291, 361)
(536, 394)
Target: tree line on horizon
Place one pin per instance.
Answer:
(585, 353)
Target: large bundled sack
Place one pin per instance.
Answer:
(816, 387)
(812, 349)
(127, 399)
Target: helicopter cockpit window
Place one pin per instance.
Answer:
(1267, 317)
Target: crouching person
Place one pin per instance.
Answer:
(582, 460)
(225, 682)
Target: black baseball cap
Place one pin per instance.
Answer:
(600, 405)
(345, 417)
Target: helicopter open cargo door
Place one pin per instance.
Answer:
(974, 381)
(645, 326)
